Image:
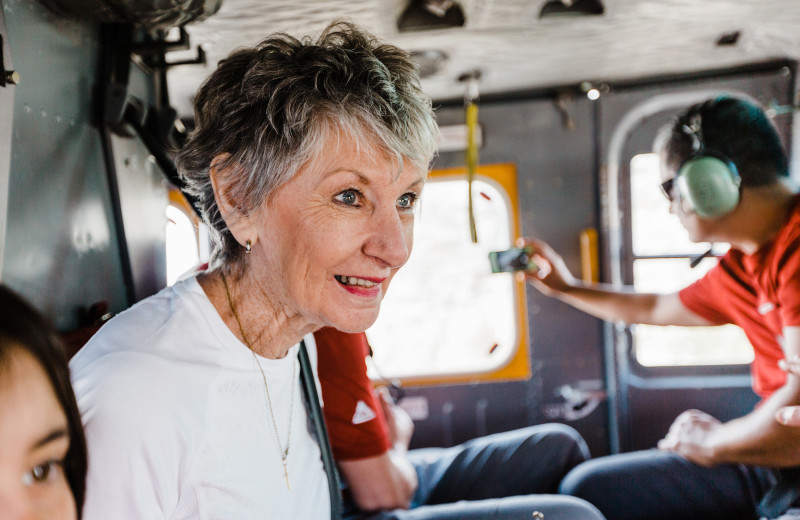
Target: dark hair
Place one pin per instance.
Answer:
(22, 327)
(736, 128)
(271, 108)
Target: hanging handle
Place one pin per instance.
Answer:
(471, 109)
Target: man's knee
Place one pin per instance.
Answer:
(611, 478)
(579, 481)
(562, 442)
(570, 509)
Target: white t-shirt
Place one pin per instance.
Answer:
(177, 422)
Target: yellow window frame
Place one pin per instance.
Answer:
(518, 367)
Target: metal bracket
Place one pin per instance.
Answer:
(579, 400)
(163, 46)
(160, 48)
(562, 102)
(199, 59)
(7, 77)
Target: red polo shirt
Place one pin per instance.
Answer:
(761, 294)
(356, 424)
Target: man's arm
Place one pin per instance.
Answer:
(789, 415)
(387, 481)
(755, 439)
(600, 300)
(370, 447)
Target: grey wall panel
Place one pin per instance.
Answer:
(6, 127)
(144, 199)
(61, 247)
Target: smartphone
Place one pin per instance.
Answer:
(510, 260)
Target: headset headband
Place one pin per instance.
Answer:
(694, 129)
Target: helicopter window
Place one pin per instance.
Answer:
(662, 253)
(182, 247)
(446, 316)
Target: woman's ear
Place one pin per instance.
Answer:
(224, 175)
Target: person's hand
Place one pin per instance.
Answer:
(551, 275)
(789, 415)
(791, 366)
(689, 437)
(400, 424)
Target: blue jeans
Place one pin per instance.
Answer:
(655, 485)
(505, 476)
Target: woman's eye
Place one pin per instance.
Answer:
(42, 472)
(407, 200)
(348, 197)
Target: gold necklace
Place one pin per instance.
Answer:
(283, 453)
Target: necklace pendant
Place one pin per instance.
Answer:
(286, 475)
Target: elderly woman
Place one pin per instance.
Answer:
(307, 160)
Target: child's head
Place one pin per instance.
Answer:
(42, 447)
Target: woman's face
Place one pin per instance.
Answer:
(331, 239)
(33, 444)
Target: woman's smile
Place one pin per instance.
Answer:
(369, 287)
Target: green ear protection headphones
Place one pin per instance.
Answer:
(707, 182)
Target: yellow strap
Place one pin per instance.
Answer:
(472, 163)
(590, 262)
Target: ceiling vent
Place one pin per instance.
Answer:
(429, 61)
(424, 15)
(729, 39)
(553, 8)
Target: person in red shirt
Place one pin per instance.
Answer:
(725, 172)
(499, 476)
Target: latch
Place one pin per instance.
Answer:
(579, 400)
(7, 77)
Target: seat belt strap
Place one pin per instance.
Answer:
(315, 410)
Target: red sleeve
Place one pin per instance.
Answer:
(702, 297)
(356, 425)
(788, 283)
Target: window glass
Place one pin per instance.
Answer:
(182, 250)
(445, 312)
(655, 230)
(662, 253)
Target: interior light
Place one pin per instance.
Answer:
(729, 39)
(571, 8)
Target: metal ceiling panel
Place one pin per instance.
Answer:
(515, 49)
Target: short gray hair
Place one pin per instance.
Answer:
(271, 107)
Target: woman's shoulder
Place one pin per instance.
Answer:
(160, 331)
(134, 385)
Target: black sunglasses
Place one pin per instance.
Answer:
(666, 188)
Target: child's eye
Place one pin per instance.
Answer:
(348, 197)
(42, 472)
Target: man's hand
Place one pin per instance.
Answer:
(553, 276)
(789, 415)
(690, 437)
(400, 424)
(388, 480)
